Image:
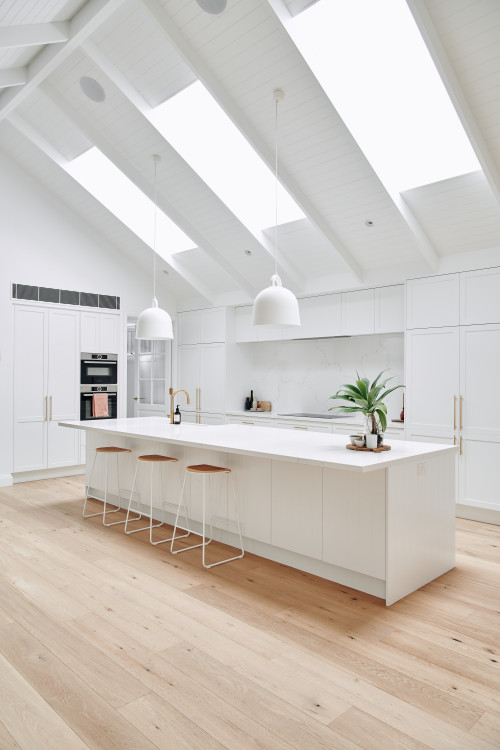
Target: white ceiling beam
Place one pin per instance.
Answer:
(90, 17)
(438, 53)
(13, 77)
(144, 108)
(258, 241)
(34, 136)
(200, 69)
(95, 136)
(34, 34)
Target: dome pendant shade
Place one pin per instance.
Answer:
(276, 306)
(154, 323)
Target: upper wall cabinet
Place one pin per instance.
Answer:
(100, 332)
(245, 331)
(319, 317)
(390, 309)
(467, 298)
(433, 302)
(202, 326)
(358, 312)
(480, 296)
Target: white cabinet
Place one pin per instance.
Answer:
(390, 309)
(100, 332)
(433, 301)
(202, 373)
(358, 312)
(202, 326)
(432, 383)
(479, 417)
(297, 525)
(46, 379)
(244, 331)
(448, 378)
(480, 296)
(319, 318)
(251, 420)
(304, 425)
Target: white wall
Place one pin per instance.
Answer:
(301, 376)
(43, 243)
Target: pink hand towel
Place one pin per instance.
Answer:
(100, 405)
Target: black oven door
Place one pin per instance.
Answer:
(87, 404)
(98, 371)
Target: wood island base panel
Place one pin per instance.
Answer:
(380, 523)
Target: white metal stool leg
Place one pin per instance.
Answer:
(206, 470)
(105, 510)
(176, 525)
(113, 523)
(153, 459)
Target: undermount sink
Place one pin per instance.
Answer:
(309, 415)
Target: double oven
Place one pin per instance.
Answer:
(98, 386)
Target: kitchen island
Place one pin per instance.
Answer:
(381, 523)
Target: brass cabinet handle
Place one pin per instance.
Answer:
(454, 412)
(50, 409)
(461, 410)
(296, 427)
(136, 398)
(461, 449)
(197, 399)
(247, 422)
(454, 439)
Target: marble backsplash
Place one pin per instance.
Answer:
(300, 376)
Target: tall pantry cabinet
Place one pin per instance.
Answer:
(452, 362)
(46, 363)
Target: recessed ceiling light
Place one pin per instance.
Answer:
(92, 89)
(212, 6)
(368, 223)
(248, 252)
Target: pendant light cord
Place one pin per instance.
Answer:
(276, 187)
(154, 238)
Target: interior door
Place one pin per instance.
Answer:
(62, 387)
(30, 388)
(479, 416)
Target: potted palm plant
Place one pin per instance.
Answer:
(368, 399)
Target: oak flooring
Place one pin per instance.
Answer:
(109, 643)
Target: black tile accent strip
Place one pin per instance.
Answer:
(48, 295)
(65, 296)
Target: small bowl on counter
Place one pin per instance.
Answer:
(357, 440)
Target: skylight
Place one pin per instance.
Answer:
(99, 176)
(371, 61)
(200, 131)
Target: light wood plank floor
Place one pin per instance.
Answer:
(109, 643)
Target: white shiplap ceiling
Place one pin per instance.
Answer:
(145, 51)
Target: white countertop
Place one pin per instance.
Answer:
(327, 450)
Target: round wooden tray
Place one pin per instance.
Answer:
(380, 449)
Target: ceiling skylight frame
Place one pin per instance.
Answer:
(119, 195)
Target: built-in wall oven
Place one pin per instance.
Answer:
(98, 369)
(98, 402)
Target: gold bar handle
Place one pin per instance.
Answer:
(50, 408)
(454, 412)
(461, 449)
(461, 412)
(296, 427)
(247, 422)
(454, 439)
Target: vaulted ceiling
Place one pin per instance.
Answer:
(143, 52)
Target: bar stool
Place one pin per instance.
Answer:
(153, 460)
(107, 451)
(206, 470)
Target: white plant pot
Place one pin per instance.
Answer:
(371, 440)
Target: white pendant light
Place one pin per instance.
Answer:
(154, 323)
(276, 305)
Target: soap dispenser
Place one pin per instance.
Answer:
(177, 416)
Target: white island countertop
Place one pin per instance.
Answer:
(318, 449)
